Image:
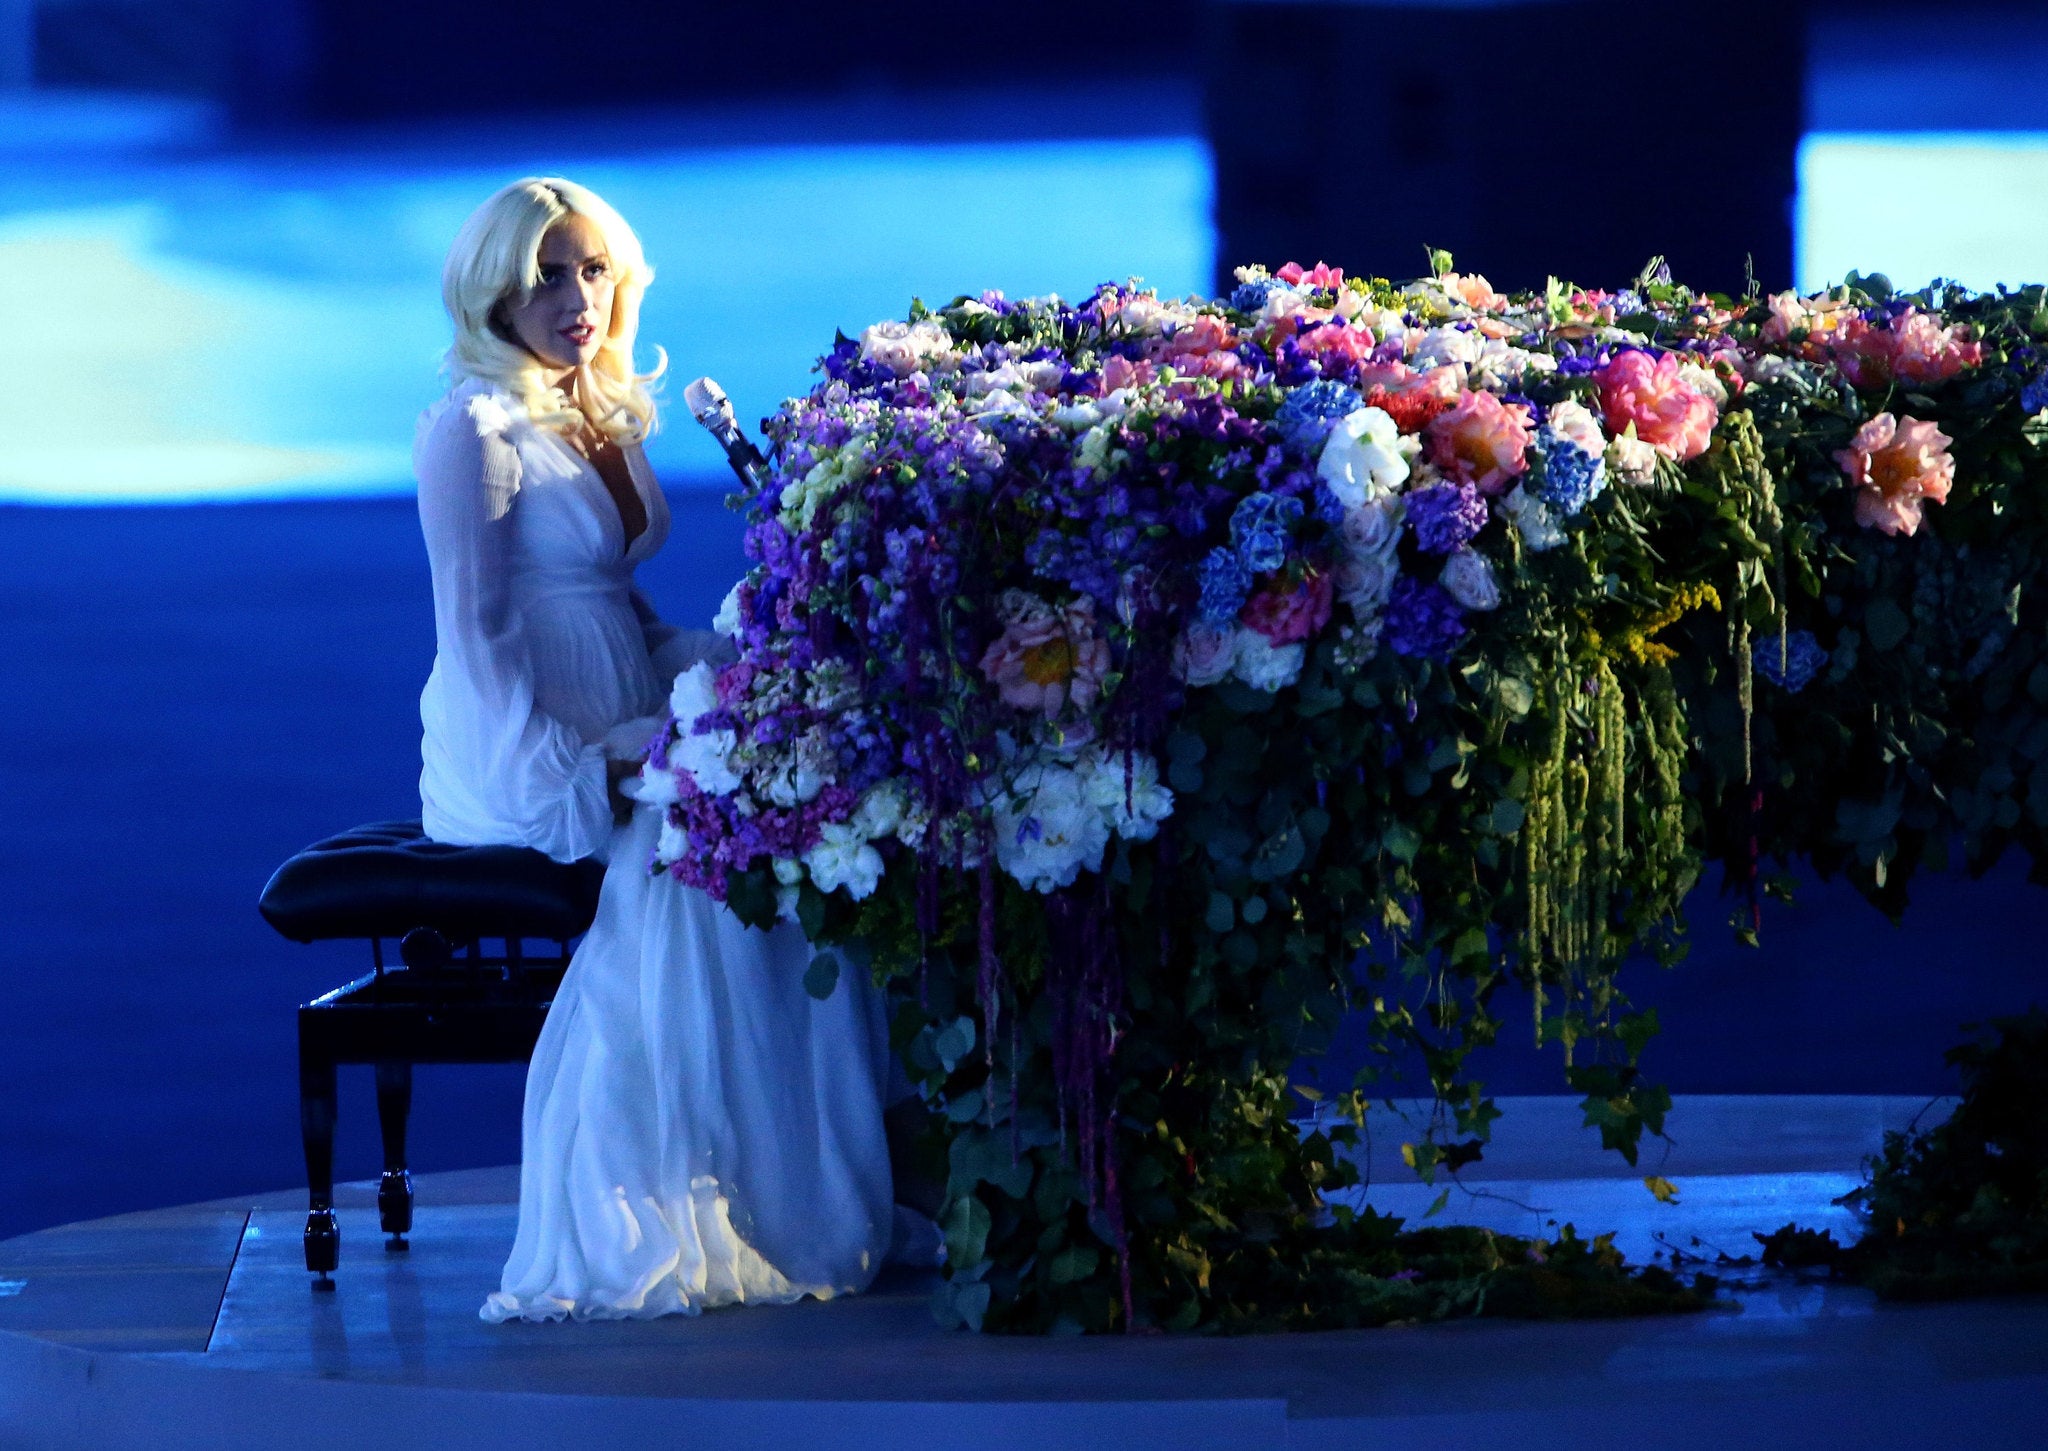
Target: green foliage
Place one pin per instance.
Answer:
(1962, 1208)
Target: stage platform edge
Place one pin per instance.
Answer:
(196, 1327)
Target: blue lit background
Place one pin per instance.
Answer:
(214, 608)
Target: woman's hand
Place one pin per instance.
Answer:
(616, 773)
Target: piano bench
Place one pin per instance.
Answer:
(444, 1001)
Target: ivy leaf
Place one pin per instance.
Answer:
(1401, 841)
(967, 1226)
(1279, 855)
(1885, 623)
(1075, 1262)
(1664, 1189)
(1222, 913)
(954, 1041)
(822, 976)
(1508, 815)
(1517, 696)
(1436, 1205)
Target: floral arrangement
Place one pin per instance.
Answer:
(1139, 686)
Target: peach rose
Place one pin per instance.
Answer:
(1472, 290)
(1923, 351)
(1897, 465)
(1482, 441)
(1046, 658)
(1669, 414)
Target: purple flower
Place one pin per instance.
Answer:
(1446, 516)
(1422, 620)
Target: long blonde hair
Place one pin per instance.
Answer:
(495, 259)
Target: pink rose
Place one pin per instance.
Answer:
(1320, 275)
(1482, 441)
(1121, 372)
(1897, 465)
(1046, 658)
(1335, 342)
(1669, 414)
(1192, 340)
(1285, 613)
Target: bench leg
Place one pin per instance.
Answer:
(394, 1189)
(317, 1101)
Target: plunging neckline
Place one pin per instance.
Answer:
(627, 532)
(588, 467)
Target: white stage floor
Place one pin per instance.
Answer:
(197, 1327)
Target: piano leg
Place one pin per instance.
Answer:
(317, 1101)
(394, 1189)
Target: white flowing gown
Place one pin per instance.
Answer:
(698, 1130)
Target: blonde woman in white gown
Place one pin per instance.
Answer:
(698, 1130)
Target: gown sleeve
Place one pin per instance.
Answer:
(674, 649)
(494, 767)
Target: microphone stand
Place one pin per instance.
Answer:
(711, 408)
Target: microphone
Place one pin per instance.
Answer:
(709, 406)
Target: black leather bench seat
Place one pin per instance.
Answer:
(387, 879)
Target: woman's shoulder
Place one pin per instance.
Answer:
(473, 408)
(471, 435)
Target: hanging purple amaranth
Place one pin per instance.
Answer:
(991, 985)
(1113, 1209)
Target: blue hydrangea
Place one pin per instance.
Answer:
(1251, 296)
(1311, 410)
(1260, 527)
(1225, 583)
(1792, 664)
(2034, 397)
(1571, 477)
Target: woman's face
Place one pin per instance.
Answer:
(565, 319)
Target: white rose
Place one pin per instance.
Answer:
(671, 844)
(1705, 380)
(1204, 656)
(1374, 528)
(1468, 578)
(707, 758)
(843, 858)
(1364, 581)
(1127, 791)
(1532, 520)
(727, 621)
(793, 782)
(1265, 666)
(881, 810)
(788, 871)
(1362, 458)
(1631, 460)
(657, 787)
(1046, 830)
(694, 692)
(1449, 344)
(1575, 424)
